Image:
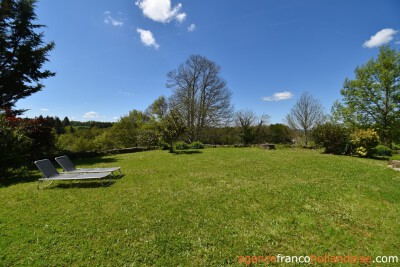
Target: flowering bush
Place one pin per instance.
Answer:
(361, 151)
(364, 141)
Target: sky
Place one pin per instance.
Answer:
(113, 56)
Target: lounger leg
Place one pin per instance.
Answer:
(40, 186)
(109, 182)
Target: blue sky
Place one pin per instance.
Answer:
(113, 56)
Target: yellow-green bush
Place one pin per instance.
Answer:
(364, 141)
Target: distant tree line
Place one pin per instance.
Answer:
(65, 125)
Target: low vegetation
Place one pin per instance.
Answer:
(205, 209)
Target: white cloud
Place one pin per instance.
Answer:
(181, 17)
(161, 10)
(278, 96)
(108, 19)
(91, 115)
(380, 38)
(147, 38)
(44, 109)
(191, 28)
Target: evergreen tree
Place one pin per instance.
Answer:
(66, 122)
(22, 52)
(58, 126)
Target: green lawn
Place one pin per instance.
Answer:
(206, 209)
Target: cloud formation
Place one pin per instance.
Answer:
(380, 38)
(161, 10)
(278, 96)
(191, 28)
(147, 38)
(44, 109)
(108, 19)
(91, 115)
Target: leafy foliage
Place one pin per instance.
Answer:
(159, 108)
(222, 136)
(181, 145)
(279, 134)
(82, 140)
(22, 52)
(372, 99)
(171, 128)
(23, 141)
(383, 151)
(196, 145)
(364, 141)
(333, 137)
(14, 146)
(126, 131)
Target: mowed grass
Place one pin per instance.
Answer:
(205, 209)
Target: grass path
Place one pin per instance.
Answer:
(206, 209)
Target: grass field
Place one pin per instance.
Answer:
(205, 209)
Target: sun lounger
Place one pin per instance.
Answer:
(51, 174)
(69, 167)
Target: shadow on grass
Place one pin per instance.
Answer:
(81, 185)
(186, 152)
(65, 184)
(20, 177)
(381, 158)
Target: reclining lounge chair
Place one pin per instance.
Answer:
(69, 167)
(51, 174)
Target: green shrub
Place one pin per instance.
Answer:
(163, 145)
(181, 145)
(14, 147)
(147, 137)
(364, 141)
(383, 151)
(333, 137)
(395, 146)
(197, 145)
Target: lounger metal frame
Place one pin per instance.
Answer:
(51, 174)
(69, 167)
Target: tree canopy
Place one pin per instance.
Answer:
(305, 115)
(372, 98)
(200, 96)
(22, 52)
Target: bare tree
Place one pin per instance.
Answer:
(251, 125)
(305, 115)
(244, 119)
(200, 96)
